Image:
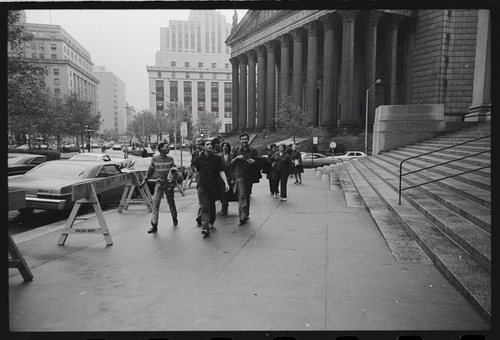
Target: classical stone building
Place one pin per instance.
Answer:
(326, 60)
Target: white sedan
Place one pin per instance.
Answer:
(117, 146)
(350, 155)
(101, 157)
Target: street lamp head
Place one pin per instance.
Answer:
(378, 81)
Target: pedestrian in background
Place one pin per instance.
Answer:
(298, 169)
(162, 165)
(242, 165)
(209, 167)
(226, 157)
(283, 166)
(271, 176)
(194, 173)
(289, 151)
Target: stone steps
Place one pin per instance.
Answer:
(449, 220)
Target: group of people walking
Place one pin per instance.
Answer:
(223, 173)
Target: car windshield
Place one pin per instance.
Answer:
(55, 169)
(85, 157)
(13, 160)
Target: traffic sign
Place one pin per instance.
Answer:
(184, 129)
(333, 145)
(315, 140)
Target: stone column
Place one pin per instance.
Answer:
(481, 92)
(234, 96)
(329, 95)
(347, 114)
(252, 58)
(391, 59)
(261, 88)
(312, 74)
(285, 65)
(243, 93)
(297, 36)
(371, 60)
(270, 86)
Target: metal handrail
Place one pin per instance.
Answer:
(436, 165)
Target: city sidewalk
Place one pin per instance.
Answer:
(308, 264)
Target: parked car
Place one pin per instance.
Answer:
(23, 147)
(350, 155)
(116, 146)
(101, 157)
(20, 163)
(313, 160)
(69, 148)
(48, 186)
(142, 164)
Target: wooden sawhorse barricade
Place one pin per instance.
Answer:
(86, 193)
(17, 200)
(128, 193)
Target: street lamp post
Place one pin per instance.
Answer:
(89, 130)
(175, 125)
(378, 81)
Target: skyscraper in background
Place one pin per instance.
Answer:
(192, 67)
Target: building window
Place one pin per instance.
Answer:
(41, 56)
(172, 64)
(57, 81)
(33, 46)
(214, 65)
(188, 94)
(159, 74)
(173, 74)
(200, 64)
(57, 91)
(201, 75)
(227, 100)
(33, 55)
(53, 47)
(187, 74)
(52, 34)
(228, 76)
(186, 64)
(201, 96)
(41, 47)
(227, 128)
(174, 92)
(53, 56)
(226, 65)
(215, 75)
(56, 71)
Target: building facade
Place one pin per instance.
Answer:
(192, 67)
(70, 64)
(326, 60)
(112, 101)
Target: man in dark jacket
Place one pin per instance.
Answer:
(209, 167)
(243, 162)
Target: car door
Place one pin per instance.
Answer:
(113, 194)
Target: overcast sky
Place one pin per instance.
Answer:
(125, 41)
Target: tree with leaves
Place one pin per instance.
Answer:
(207, 120)
(291, 120)
(27, 98)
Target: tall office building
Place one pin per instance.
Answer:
(69, 63)
(192, 66)
(112, 101)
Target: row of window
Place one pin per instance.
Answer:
(41, 47)
(200, 75)
(200, 64)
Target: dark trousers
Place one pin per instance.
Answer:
(244, 191)
(160, 188)
(281, 179)
(207, 206)
(272, 180)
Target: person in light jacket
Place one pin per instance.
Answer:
(283, 166)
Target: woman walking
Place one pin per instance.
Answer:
(298, 169)
(271, 176)
(282, 163)
(228, 169)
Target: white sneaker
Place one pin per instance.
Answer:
(210, 226)
(275, 196)
(283, 199)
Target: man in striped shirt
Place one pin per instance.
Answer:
(162, 165)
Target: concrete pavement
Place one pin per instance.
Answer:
(308, 264)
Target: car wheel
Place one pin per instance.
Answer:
(26, 211)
